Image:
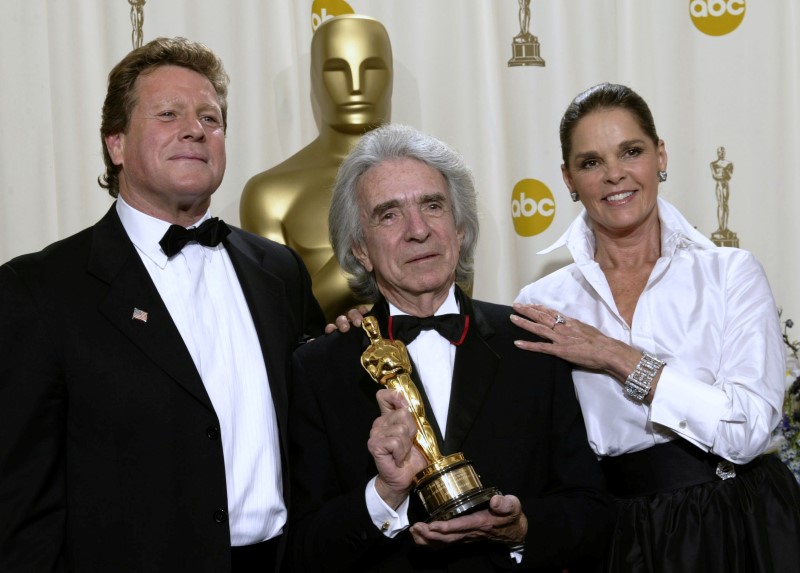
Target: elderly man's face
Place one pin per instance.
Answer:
(410, 237)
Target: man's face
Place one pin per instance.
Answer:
(172, 156)
(351, 74)
(410, 238)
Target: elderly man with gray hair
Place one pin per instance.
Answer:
(404, 225)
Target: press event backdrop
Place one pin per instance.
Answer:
(717, 73)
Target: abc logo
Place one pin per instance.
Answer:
(716, 17)
(322, 10)
(532, 207)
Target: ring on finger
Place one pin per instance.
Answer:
(559, 320)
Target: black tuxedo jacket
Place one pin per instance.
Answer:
(110, 458)
(513, 413)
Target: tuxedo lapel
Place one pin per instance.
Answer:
(113, 259)
(474, 371)
(267, 302)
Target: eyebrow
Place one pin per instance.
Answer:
(631, 143)
(385, 206)
(428, 197)
(622, 145)
(392, 203)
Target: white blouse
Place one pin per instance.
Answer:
(709, 313)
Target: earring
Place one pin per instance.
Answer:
(574, 195)
(662, 176)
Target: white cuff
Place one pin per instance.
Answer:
(389, 521)
(692, 410)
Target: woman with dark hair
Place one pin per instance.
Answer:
(679, 363)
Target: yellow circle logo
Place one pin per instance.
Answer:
(532, 207)
(716, 17)
(322, 10)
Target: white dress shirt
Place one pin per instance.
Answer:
(201, 290)
(709, 313)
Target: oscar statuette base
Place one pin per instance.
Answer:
(725, 238)
(450, 487)
(525, 51)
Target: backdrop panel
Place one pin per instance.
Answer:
(740, 90)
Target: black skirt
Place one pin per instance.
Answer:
(748, 523)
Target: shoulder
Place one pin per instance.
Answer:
(492, 313)
(337, 344)
(54, 259)
(725, 261)
(742, 272)
(550, 286)
(730, 256)
(262, 250)
(498, 333)
(329, 357)
(494, 324)
(252, 240)
(50, 279)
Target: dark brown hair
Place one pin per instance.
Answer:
(604, 96)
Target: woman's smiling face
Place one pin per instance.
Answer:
(613, 166)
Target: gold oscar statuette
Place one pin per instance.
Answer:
(449, 485)
(525, 46)
(137, 22)
(722, 172)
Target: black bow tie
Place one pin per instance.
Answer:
(209, 234)
(452, 326)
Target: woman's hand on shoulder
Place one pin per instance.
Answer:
(574, 341)
(343, 322)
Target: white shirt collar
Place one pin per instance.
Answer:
(145, 231)
(676, 232)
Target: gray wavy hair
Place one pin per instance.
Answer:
(388, 142)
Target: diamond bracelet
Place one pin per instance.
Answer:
(638, 384)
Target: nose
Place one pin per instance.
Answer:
(614, 172)
(355, 78)
(192, 128)
(417, 226)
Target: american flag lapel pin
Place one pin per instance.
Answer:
(139, 314)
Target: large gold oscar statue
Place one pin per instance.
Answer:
(351, 82)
